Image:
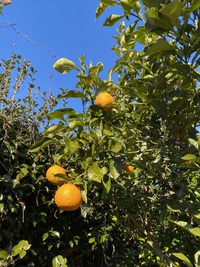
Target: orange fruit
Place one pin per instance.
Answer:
(104, 99)
(128, 168)
(179, 131)
(7, 2)
(54, 171)
(68, 197)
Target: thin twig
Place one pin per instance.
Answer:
(13, 26)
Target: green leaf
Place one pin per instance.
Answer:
(127, 5)
(76, 124)
(197, 218)
(160, 46)
(182, 224)
(151, 3)
(72, 94)
(23, 244)
(94, 173)
(171, 209)
(1, 207)
(116, 147)
(84, 192)
(22, 254)
(112, 19)
(197, 259)
(107, 183)
(54, 233)
(15, 251)
(195, 5)
(60, 113)
(71, 145)
(172, 10)
(64, 65)
(107, 131)
(175, 105)
(100, 9)
(108, 2)
(45, 236)
(113, 171)
(22, 173)
(160, 106)
(3, 254)
(189, 157)
(43, 142)
(20, 248)
(185, 259)
(54, 129)
(91, 240)
(59, 261)
(195, 231)
(193, 143)
(159, 24)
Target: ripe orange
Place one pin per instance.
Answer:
(104, 99)
(68, 197)
(54, 171)
(7, 2)
(128, 168)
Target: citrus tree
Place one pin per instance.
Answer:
(133, 151)
(152, 125)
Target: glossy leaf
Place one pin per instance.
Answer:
(100, 9)
(172, 10)
(160, 106)
(22, 254)
(20, 248)
(94, 173)
(112, 19)
(195, 231)
(72, 94)
(72, 146)
(108, 2)
(61, 113)
(159, 25)
(116, 147)
(107, 184)
(189, 157)
(44, 142)
(195, 5)
(183, 258)
(193, 143)
(175, 105)
(171, 209)
(160, 46)
(54, 129)
(151, 3)
(3, 254)
(183, 224)
(197, 258)
(59, 261)
(113, 171)
(127, 5)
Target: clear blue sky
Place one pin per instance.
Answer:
(65, 27)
